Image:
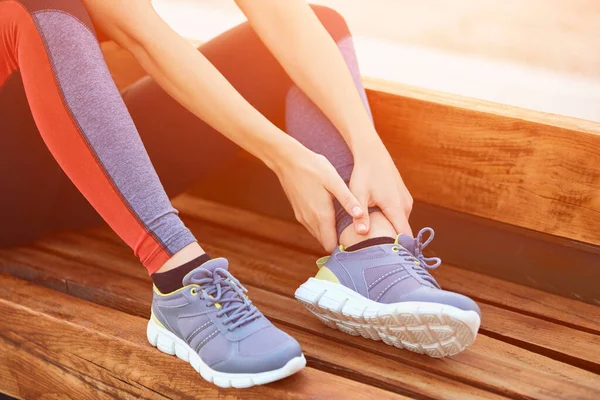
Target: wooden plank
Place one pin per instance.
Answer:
(521, 167)
(526, 331)
(484, 288)
(290, 312)
(560, 342)
(490, 363)
(54, 343)
(126, 292)
(527, 257)
(283, 270)
(579, 348)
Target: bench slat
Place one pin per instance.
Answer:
(132, 295)
(283, 270)
(504, 294)
(63, 345)
(490, 363)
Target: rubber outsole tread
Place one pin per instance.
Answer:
(426, 328)
(168, 343)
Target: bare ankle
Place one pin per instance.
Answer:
(380, 226)
(188, 253)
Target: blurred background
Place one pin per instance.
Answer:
(537, 54)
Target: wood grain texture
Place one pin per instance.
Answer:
(324, 354)
(520, 167)
(64, 347)
(489, 364)
(580, 348)
(281, 270)
(486, 289)
(513, 253)
(260, 264)
(488, 368)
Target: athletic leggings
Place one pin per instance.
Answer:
(66, 131)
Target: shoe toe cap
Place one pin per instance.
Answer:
(431, 295)
(268, 349)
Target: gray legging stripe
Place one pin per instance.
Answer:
(99, 111)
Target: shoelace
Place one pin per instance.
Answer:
(421, 264)
(223, 288)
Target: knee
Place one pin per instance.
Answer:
(332, 21)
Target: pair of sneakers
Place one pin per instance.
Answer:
(382, 292)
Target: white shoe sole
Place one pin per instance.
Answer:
(437, 330)
(169, 343)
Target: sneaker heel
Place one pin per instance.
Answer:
(158, 339)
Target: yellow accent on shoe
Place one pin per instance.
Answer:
(321, 261)
(325, 274)
(156, 321)
(395, 249)
(158, 292)
(193, 291)
(218, 305)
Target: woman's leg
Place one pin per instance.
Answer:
(85, 124)
(182, 147)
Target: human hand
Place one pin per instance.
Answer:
(310, 183)
(376, 181)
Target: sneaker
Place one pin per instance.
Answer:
(385, 292)
(214, 326)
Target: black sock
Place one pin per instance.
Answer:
(371, 242)
(171, 280)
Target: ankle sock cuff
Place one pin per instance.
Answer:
(171, 280)
(371, 242)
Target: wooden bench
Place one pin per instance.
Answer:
(74, 305)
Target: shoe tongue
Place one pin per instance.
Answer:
(406, 241)
(206, 270)
(210, 266)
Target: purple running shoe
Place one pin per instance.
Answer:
(385, 292)
(214, 326)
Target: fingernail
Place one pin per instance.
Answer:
(356, 211)
(361, 227)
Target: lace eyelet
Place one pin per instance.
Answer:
(193, 292)
(395, 249)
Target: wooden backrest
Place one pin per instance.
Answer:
(521, 167)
